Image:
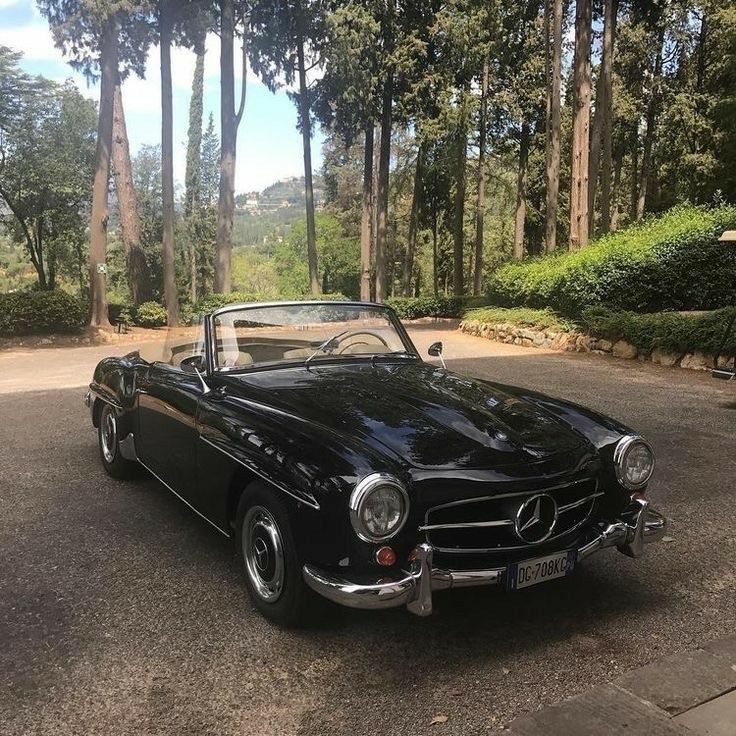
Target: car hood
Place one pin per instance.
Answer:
(425, 416)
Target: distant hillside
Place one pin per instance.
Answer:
(281, 194)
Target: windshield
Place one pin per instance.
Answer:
(305, 333)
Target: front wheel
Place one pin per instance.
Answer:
(107, 434)
(273, 573)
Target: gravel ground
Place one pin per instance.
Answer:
(121, 612)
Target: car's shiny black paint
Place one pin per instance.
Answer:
(312, 432)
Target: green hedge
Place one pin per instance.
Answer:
(674, 262)
(28, 312)
(434, 306)
(669, 331)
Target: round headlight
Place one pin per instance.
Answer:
(379, 506)
(634, 462)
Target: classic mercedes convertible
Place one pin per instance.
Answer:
(349, 469)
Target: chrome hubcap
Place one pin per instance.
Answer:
(108, 434)
(263, 552)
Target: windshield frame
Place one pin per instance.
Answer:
(385, 310)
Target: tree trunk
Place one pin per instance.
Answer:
(651, 121)
(609, 40)
(480, 204)
(382, 194)
(366, 216)
(615, 208)
(411, 244)
(459, 219)
(139, 278)
(581, 126)
(521, 184)
(193, 171)
(305, 124)
(594, 154)
(553, 130)
(634, 194)
(435, 255)
(167, 168)
(99, 217)
(229, 121)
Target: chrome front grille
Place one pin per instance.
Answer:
(486, 524)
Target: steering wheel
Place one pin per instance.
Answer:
(351, 335)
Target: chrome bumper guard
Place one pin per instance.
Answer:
(639, 525)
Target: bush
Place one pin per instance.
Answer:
(669, 331)
(23, 313)
(433, 306)
(540, 319)
(674, 262)
(150, 314)
(120, 312)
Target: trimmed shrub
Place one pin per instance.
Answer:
(674, 262)
(434, 306)
(669, 331)
(27, 312)
(540, 319)
(150, 314)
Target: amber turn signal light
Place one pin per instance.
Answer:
(385, 556)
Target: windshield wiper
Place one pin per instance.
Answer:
(326, 344)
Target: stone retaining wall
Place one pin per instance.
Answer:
(577, 342)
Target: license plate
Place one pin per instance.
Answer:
(530, 572)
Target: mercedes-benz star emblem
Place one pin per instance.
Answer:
(536, 518)
(261, 552)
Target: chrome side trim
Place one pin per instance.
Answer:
(312, 502)
(639, 525)
(183, 500)
(127, 447)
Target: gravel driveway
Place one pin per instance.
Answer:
(122, 613)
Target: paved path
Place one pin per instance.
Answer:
(121, 612)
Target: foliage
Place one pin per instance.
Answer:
(673, 262)
(215, 301)
(150, 314)
(338, 258)
(542, 319)
(22, 313)
(433, 306)
(46, 162)
(672, 332)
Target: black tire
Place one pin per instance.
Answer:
(107, 438)
(273, 577)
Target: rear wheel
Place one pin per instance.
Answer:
(273, 572)
(107, 433)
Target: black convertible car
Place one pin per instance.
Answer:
(346, 467)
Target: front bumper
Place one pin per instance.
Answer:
(638, 525)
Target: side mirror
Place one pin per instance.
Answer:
(193, 364)
(435, 350)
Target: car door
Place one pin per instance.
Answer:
(167, 416)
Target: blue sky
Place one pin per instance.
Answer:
(269, 145)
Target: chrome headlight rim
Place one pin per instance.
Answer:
(362, 492)
(619, 456)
